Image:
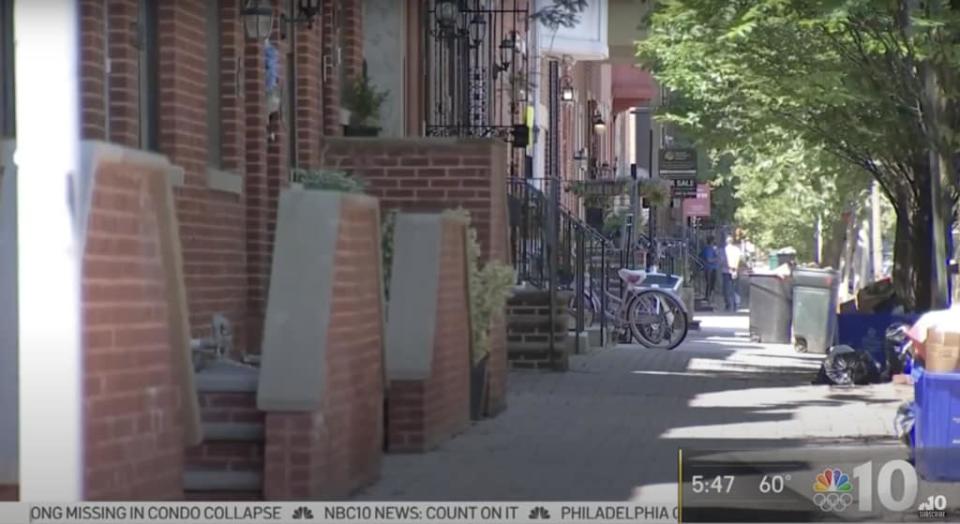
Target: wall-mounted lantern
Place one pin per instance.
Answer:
(257, 19)
(510, 46)
(599, 126)
(447, 14)
(258, 16)
(566, 89)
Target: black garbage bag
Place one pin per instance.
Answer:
(845, 366)
(904, 422)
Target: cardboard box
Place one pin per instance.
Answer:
(941, 351)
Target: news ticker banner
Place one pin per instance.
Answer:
(346, 512)
(866, 483)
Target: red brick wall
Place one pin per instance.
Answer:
(423, 413)
(213, 247)
(309, 95)
(228, 456)
(434, 175)
(92, 72)
(337, 449)
(133, 434)
(123, 103)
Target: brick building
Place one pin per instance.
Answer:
(198, 93)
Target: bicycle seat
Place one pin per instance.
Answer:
(634, 277)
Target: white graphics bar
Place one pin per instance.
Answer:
(347, 512)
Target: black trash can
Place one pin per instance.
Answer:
(814, 309)
(771, 306)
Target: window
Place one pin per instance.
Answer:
(148, 74)
(214, 113)
(8, 121)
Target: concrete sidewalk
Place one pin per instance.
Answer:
(612, 425)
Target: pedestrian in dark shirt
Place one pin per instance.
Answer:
(711, 264)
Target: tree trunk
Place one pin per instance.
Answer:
(912, 258)
(833, 240)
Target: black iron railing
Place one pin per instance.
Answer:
(587, 262)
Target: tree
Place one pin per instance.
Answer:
(842, 76)
(560, 13)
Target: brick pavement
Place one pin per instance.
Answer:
(609, 429)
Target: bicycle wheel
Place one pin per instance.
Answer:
(589, 310)
(657, 319)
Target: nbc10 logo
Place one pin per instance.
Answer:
(895, 485)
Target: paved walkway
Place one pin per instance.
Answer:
(609, 429)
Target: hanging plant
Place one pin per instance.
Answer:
(592, 198)
(656, 191)
(271, 58)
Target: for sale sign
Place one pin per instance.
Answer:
(699, 206)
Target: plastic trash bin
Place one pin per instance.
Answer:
(814, 309)
(770, 309)
(937, 445)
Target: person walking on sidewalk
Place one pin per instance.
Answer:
(731, 270)
(711, 265)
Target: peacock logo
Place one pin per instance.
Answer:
(832, 490)
(832, 481)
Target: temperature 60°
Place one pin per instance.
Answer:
(773, 483)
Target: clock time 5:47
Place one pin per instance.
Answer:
(715, 484)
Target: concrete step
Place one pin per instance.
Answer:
(233, 431)
(203, 480)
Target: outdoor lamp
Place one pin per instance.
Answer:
(566, 89)
(507, 47)
(599, 126)
(309, 9)
(447, 13)
(477, 30)
(257, 19)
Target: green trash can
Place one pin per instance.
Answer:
(814, 309)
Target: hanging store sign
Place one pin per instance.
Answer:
(685, 188)
(678, 162)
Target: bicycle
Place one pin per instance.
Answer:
(652, 316)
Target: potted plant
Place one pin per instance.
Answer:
(656, 191)
(363, 101)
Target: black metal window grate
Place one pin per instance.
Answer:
(477, 70)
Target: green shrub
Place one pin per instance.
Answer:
(327, 180)
(388, 223)
(489, 287)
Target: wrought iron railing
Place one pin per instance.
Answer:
(587, 262)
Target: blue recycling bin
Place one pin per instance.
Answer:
(937, 444)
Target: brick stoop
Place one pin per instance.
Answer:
(228, 464)
(529, 330)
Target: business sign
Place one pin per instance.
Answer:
(684, 187)
(699, 206)
(678, 162)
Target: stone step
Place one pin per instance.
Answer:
(199, 480)
(233, 432)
